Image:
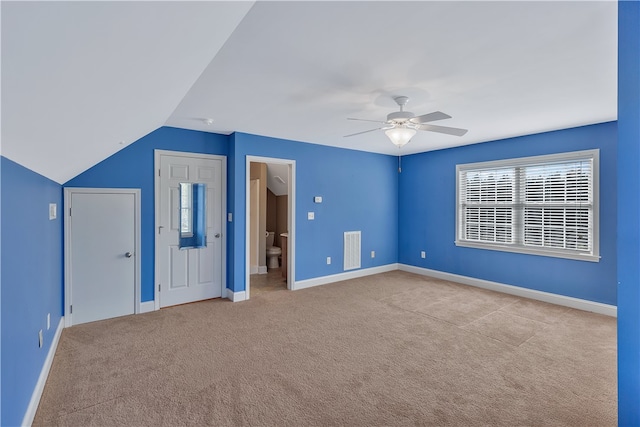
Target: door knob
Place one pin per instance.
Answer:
(128, 254)
(217, 235)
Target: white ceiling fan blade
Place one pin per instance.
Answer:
(431, 117)
(444, 129)
(365, 120)
(366, 131)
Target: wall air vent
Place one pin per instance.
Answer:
(351, 250)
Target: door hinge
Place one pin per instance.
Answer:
(158, 172)
(71, 309)
(69, 211)
(159, 287)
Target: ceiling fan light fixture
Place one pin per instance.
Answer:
(401, 126)
(399, 135)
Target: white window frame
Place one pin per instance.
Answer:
(186, 207)
(517, 246)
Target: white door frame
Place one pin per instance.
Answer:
(255, 268)
(291, 206)
(223, 207)
(68, 192)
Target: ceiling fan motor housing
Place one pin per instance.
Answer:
(402, 125)
(400, 116)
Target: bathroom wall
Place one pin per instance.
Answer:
(282, 211)
(254, 217)
(271, 211)
(259, 171)
(277, 215)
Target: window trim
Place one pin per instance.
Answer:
(187, 188)
(593, 256)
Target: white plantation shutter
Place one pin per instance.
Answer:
(544, 205)
(488, 197)
(558, 205)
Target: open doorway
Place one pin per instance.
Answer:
(270, 224)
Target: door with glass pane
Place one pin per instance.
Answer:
(189, 221)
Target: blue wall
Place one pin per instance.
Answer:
(132, 167)
(32, 282)
(363, 191)
(629, 213)
(34, 239)
(1, 291)
(359, 192)
(427, 204)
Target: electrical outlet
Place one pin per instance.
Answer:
(328, 260)
(373, 254)
(311, 215)
(423, 254)
(40, 339)
(48, 321)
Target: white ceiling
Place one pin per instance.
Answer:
(78, 78)
(279, 187)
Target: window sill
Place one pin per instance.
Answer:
(529, 251)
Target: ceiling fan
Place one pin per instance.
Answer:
(401, 126)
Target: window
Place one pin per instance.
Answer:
(186, 206)
(544, 205)
(193, 216)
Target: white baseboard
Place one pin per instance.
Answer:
(236, 296)
(42, 379)
(147, 306)
(580, 304)
(317, 281)
(258, 269)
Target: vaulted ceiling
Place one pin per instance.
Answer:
(82, 80)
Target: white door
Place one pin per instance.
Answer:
(187, 275)
(102, 254)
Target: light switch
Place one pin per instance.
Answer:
(311, 215)
(317, 199)
(53, 211)
(230, 217)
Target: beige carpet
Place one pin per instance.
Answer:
(391, 349)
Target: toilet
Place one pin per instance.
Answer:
(273, 252)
